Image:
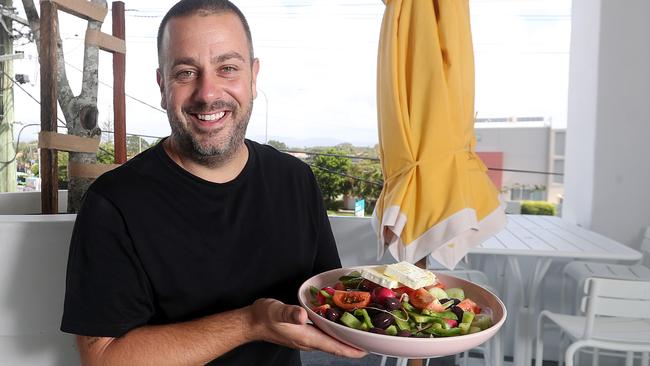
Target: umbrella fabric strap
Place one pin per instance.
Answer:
(472, 156)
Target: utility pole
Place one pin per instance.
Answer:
(7, 151)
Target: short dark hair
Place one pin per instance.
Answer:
(204, 8)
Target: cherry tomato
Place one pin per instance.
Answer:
(452, 323)
(469, 305)
(403, 290)
(321, 310)
(422, 299)
(350, 300)
(438, 284)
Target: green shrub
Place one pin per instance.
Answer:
(537, 208)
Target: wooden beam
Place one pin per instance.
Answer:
(92, 171)
(65, 142)
(14, 56)
(81, 8)
(119, 100)
(49, 169)
(105, 41)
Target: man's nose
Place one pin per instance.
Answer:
(208, 88)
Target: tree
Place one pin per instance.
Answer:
(106, 154)
(80, 112)
(278, 145)
(328, 171)
(135, 145)
(370, 183)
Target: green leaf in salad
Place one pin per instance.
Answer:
(351, 280)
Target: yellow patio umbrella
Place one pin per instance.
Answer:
(437, 198)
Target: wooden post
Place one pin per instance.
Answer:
(119, 102)
(48, 48)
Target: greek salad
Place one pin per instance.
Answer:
(394, 309)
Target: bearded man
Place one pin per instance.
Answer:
(192, 252)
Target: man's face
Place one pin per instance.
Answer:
(207, 84)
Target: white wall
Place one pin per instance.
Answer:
(33, 257)
(524, 148)
(607, 167)
(28, 203)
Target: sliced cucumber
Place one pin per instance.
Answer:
(438, 293)
(351, 321)
(456, 293)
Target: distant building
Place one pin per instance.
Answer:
(520, 155)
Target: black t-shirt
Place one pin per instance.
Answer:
(154, 244)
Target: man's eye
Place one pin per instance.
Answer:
(186, 74)
(228, 69)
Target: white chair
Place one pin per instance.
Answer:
(578, 271)
(617, 318)
(492, 350)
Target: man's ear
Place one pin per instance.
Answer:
(161, 85)
(255, 69)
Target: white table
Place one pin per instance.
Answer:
(545, 238)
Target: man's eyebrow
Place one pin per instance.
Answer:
(227, 56)
(184, 61)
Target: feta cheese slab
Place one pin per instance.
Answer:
(376, 275)
(410, 275)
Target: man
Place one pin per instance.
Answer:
(187, 254)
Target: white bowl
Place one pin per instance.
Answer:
(408, 347)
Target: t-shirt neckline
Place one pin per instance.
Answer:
(171, 164)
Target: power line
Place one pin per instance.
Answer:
(346, 175)
(377, 159)
(111, 87)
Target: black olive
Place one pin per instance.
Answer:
(382, 320)
(392, 303)
(372, 308)
(377, 330)
(404, 333)
(457, 311)
(333, 314)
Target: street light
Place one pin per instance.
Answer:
(266, 118)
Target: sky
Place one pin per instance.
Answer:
(317, 80)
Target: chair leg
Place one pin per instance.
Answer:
(496, 352)
(629, 359)
(571, 352)
(645, 359)
(383, 361)
(563, 290)
(595, 356)
(539, 343)
(560, 348)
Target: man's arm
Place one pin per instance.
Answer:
(199, 341)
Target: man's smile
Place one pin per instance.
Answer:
(210, 117)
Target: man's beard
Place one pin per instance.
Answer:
(209, 152)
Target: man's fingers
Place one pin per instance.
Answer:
(316, 339)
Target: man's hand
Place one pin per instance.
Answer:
(276, 322)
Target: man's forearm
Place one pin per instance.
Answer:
(196, 342)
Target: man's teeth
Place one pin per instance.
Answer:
(210, 117)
